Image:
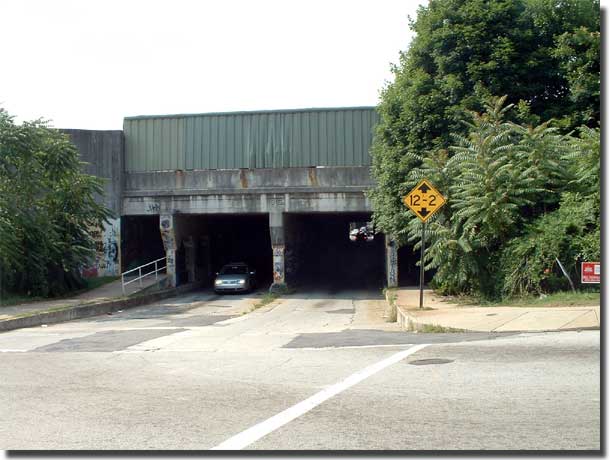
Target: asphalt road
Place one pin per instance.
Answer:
(315, 370)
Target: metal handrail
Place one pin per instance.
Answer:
(139, 269)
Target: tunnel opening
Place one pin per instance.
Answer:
(238, 238)
(319, 252)
(140, 241)
(204, 243)
(408, 267)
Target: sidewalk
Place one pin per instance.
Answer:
(103, 300)
(109, 291)
(438, 312)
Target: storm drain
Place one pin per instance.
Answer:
(425, 362)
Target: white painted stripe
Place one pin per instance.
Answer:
(341, 347)
(253, 434)
(12, 350)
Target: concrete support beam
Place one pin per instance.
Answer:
(391, 262)
(276, 228)
(152, 203)
(167, 226)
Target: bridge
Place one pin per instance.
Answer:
(277, 189)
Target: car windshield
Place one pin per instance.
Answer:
(234, 270)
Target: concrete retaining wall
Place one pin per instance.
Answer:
(103, 152)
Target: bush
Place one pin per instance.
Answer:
(571, 233)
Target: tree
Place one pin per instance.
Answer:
(517, 198)
(578, 53)
(542, 53)
(47, 206)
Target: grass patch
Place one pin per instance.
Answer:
(9, 300)
(436, 329)
(557, 299)
(17, 299)
(266, 299)
(430, 328)
(93, 283)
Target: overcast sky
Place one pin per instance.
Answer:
(87, 64)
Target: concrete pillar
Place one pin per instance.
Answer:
(276, 228)
(167, 226)
(391, 262)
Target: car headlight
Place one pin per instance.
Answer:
(242, 281)
(217, 282)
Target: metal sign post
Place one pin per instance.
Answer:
(424, 200)
(421, 265)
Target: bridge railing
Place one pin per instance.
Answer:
(141, 276)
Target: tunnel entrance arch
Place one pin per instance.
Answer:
(204, 243)
(319, 252)
(140, 241)
(240, 238)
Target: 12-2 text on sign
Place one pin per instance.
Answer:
(424, 200)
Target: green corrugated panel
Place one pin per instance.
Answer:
(268, 139)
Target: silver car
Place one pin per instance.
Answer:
(235, 277)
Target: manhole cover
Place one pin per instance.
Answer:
(424, 362)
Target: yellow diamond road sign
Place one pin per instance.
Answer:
(424, 200)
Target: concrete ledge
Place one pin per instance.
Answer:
(516, 319)
(93, 309)
(256, 191)
(234, 180)
(403, 318)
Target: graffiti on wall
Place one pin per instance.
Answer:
(278, 263)
(171, 262)
(153, 208)
(276, 201)
(168, 236)
(106, 259)
(167, 232)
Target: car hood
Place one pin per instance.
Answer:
(231, 277)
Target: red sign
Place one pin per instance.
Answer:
(589, 272)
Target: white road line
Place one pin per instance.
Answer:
(253, 434)
(341, 347)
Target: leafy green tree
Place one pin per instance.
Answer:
(463, 52)
(47, 205)
(578, 54)
(503, 183)
(570, 233)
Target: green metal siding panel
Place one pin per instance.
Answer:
(315, 137)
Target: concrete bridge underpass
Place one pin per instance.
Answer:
(296, 234)
(275, 189)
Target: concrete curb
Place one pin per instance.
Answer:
(92, 309)
(410, 323)
(390, 314)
